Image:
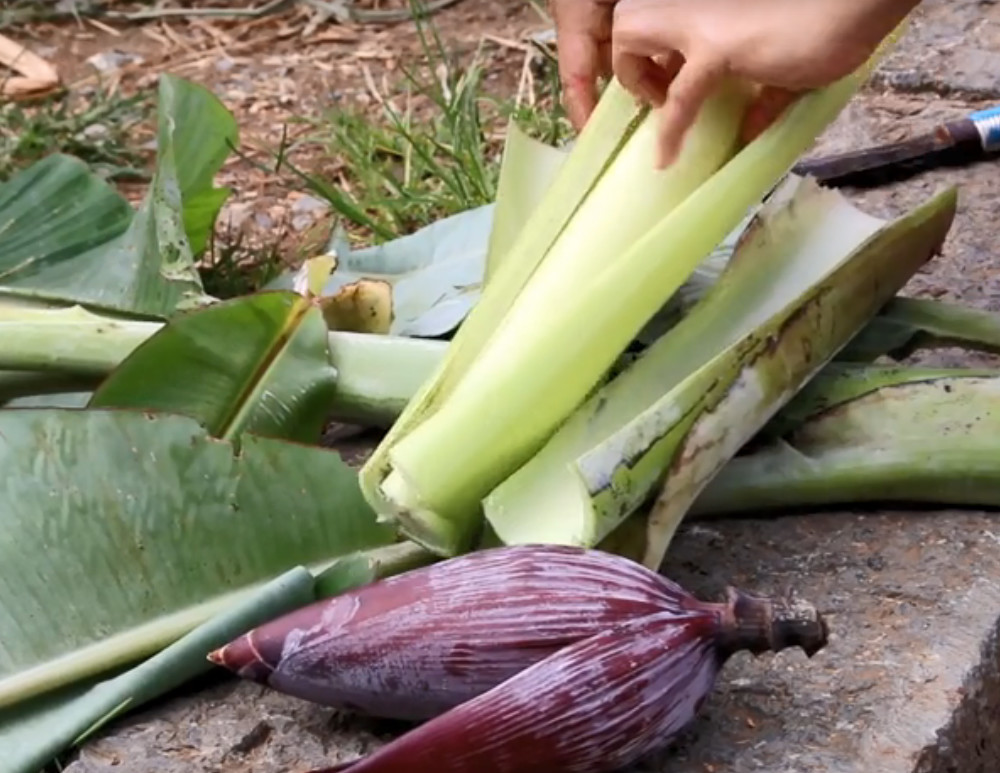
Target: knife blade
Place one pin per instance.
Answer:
(965, 140)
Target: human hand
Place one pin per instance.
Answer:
(672, 53)
(583, 41)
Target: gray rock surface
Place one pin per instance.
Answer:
(952, 48)
(909, 682)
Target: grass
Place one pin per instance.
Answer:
(234, 267)
(432, 149)
(436, 147)
(98, 128)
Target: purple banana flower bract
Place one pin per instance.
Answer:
(415, 645)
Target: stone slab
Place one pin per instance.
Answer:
(909, 682)
(951, 49)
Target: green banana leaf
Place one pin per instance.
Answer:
(257, 364)
(55, 210)
(199, 136)
(121, 531)
(32, 735)
(66, 237)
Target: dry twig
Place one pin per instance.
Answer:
(36, 76)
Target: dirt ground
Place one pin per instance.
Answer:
(279, 70)
(273, 71)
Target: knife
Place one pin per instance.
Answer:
(963, 141)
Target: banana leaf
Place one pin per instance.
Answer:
(121, 532)
(436, 274)
(54, 210)
(256, 364)
(66, 237)
(32, 735)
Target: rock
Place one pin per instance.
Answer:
(234, 214)
(969, 269)
(95, 132)
(309, 205)
(307, 210)
(263, 220)
(952, 49)
(909, 682)
(231, 728)
(109, 61)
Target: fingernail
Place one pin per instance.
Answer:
(666, 156)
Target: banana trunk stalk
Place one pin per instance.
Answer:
(53, 351)
(908, 324)
(811, 271)
(571, 234)
(530, 353)
(56, 350)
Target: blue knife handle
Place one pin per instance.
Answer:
(987, 122)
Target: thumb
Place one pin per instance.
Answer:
(583, 30)
(579, 67)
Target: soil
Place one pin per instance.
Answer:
(272, 72)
